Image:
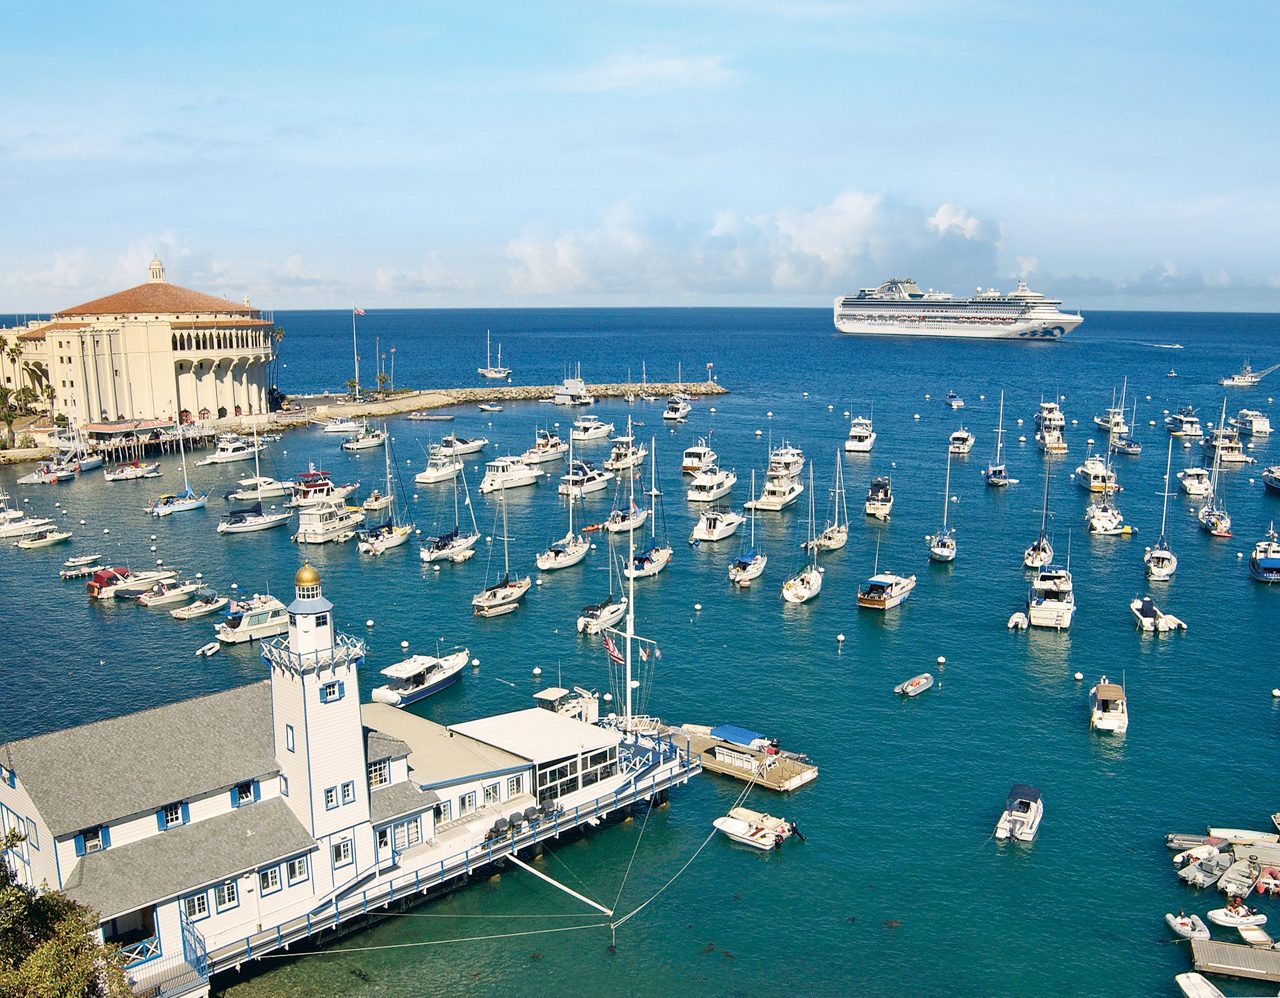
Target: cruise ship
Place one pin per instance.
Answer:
(899, 308)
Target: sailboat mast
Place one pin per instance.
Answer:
(355, 350)
(753, 509)
(506, 562)
(1168, 466)
(631, 598)
(570, 483)
(1044, 506)
(1000, 428)
(946, 492)
(183, 454)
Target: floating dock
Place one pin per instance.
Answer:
(771, 768)
(1235, 960)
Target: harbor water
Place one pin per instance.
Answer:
(899, 888)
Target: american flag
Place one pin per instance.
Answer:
(612, 649)
(358, 311)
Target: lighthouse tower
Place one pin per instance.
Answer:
(319, 738)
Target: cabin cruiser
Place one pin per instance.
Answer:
(206, 602)
(452, 445)
(313, 487)
(1095, 475)
(131, 471)
(1183, 423)
(377, 502)
(1226, 443)
(1108, 709)
(547, 446)
(1051, 602)
(711, 484)
(698, 457)
(1252, 422)
(1264, 562)
(862, 436)
(344, 424)
(325, 521)
(110, 583)
(778, 493)
(589, 427)
(231, 447)
(1195, 482)
(1022, 814)
(365, 440)
(785, 461)
(880, 497)
(169, 591)
(582, 479)
(716, 524)
(1050, 417)
(507, 473)
(1247, 378)
(572, 391)
(43, 538)
(1051, 441)
(258, 487)
(1112, 420)
(140, 583)
(253, 619)
(884, 590)
(16, 523)
(420, 676)
(626, 453)
(1271, 477)
(960, 443)
(677, 409)
(954, 400)
(440, 468)
(253, 519)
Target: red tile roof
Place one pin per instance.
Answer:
(37, 334)
(157, 298)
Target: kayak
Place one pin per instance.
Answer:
(1187, 926)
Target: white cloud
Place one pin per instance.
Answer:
(65, 275)
(647, 72)
(952, 218)
(431, 278)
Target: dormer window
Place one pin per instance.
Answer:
(244, 793)
(93, 840)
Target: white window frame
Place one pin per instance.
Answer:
(515, 785)
(268, 881)
(172, 815)
(349, 792)
(379, 773)
(226, 895)
(330, 795)
(93, 840)
(466, 804)
(493, 793)
(342, 854)
(200, 902)
(289, 870)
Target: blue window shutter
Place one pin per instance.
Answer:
(186, 813)
(257, 794)
(160, 822)
(235, 797)
(106, 837)
(342, 688)
(13, 778)
(324, 695)
(79, 845)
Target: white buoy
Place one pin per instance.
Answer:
(199, 575)
(488, 540)
(916, 416)
(927, 396)
(537, 671)
(106, 530)
(982, 398)
(942, 660)
(840, 637)
(153, 548)
(404, 644)
(1019, 422)
(415, 497)
(1276, 693)
(1148, 398)
(893, 464)
(759, 433)
(235, 585)
(435, 568)
(830, 408)
(56, 505)
(822, 569)
(1022, 439)
(608, 698)
(1089, 441)
(539, 581)
(153, 537)
(635, 684)
(475, 663)
(713, 410)
(1079, 676)
(369, 622)
(768, 415)
(159, 561)
(82, 523)
(806, 394)
(1075, 422)
(1239, 555)
(697, 607)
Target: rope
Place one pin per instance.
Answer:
(585, 890)
(626, 873)
(432, 942)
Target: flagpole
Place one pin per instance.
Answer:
(355, 351)
(631, 593)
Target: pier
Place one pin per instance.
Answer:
(1211, 956)
(780, 771)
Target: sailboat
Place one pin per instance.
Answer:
(653, 558)
(571, 548)
(1161, 561)
(391, 533)
(1040, 553)
(996, 474)
(454, 545)
(749, 564)
(503, 596)
(188, 500)
(1213, 516)
(255, 518)
(836, 534)
(942, 545)
(595, 617)
(806, 583)
(489, 371)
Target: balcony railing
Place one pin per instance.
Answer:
(140, 952)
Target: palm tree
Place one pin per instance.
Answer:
(8, 411)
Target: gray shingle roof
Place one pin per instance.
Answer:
(398, 799)
(124, 878)
(379, 746)
(97, 773)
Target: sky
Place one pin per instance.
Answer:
(700, 152)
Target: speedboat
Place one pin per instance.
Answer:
(44, 538)
(1264, 562)
(420, 676)
(588, 427)
(698, 457)
(1187, 926)
(1252, 422)
(677, 409)
(452, 445)
(1105, 519)
(489, 407)
(440, 468)
(1223, 443)
(137, 584)
(81, 560)
(626, 453)
(313, 487)
(785, 461)
(325, 521)
(253, 619)
(253, 519)
(954, 400)
(1051, 601)
(862, 436)
(365, 440)
(1150, 618)
(231, 447)
(716, 524)
(914, 686)
(582, 479)
(1095, 475)
(778, 493)
(258, 487)
(884, 590)
(754, 828)
(205, 603)
(880, 497)
(711, 484)
(169, 591)
(960, 442)
(1195, 482)
(547, 446)
(1205, 872)
(1022, 814)
(1271, 478)
(1108, 708)
(131, 471)
(507, 473)
(1183, 423)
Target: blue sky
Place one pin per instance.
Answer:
(734, 152)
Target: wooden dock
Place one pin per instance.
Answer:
(780, 771)
(1235, 960)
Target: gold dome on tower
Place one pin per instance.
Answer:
(306, 576)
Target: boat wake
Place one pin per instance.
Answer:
(1164, 346)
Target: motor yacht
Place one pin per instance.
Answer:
(677, 409)
(588, 427)
(344, 424)
(583, 479)
(440, 468)
(1264, 562)
(1022, 814)
(884, 591)
(1271, 478)
(547, 446)
(1050, 417)
(715, 524)
(231, 448)
(1184, 423)
(698, 457)
(626, 453)
(785, 461)
(1247, 378)
(954, 400)
(1223, 445)
(778, 493)
(711, 484)
(862, 436)
(326, 521)
(879, 502)
(1195, 482)
(1096, 475)
(258, 487)
(572, 391)
(420, 676)
(1051, 601)
(1051, 441)
(132, 471)
(452, 445)
(507, 473)
(253, 619)
(960, 442)
(366, 440)
(43, 538)
(1108, 708)
(1252, 422)
(313, 487)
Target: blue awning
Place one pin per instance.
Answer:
(735, 734)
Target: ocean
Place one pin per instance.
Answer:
(899, 889)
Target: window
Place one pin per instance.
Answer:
(330, 798)
(226, 896)
(284, 785)
(342, 853)
(330, 692)
(196, 907)
(93, 840)
(244, 793)
(408, 834)
(348, 793)
(32, 838)
(322, 619)
(269, 880)
(172, 815)
(296, 870)
(379, 773)
(491, 793)
(444, 811)
(466, 804)
(515, 785)
(288, 737)
(384, 838)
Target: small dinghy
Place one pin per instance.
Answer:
(1237, 915)
(80, 560)
(1255, 935)
(1187, 926)
(1194, 855)
(1019, 622)
(753, 828)
(1243, 836)
(1240, 878)
(1205, 872)
(1151, 619)
(1179, 841)
(1194, 985)
(204, 651)
(915, 685)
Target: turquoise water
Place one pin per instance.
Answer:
(898, 889)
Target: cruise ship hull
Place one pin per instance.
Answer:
(1049, 328)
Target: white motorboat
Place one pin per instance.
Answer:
(1242, 836)
(626, 454)
(960, 442)
(1237, 914)
(1105, 519)
(750, 563)
(1112, 420)
(1264, 561)
(16, 523)
(253, 619)
(326, 521)
(654, 556)
(1051, 600)
(1195, 482)
(1050, 417)
(139, 583)
(884, 591)
(392, 532)
(572, 391)
(1160, 560)
(807, 583)
(1271, 478)
(698, 458)
(583, 479)
(344, 424)
(507, 473)
(778, 493)
(169, 592)
(1223, 444)
(231, 448)
(914, 686)
(588, 427)
(1252, 422)
(711, 484)
(569, 549)
(1187, 926)
(419, 676)
(206, 602)
(453, 545)
(1213, 515)
(715, 524)
(503, 596)
(1108, 708)
(1096, 475)
(489, 407)
(835, 535)
(547, 446)
(314, 486)
(754, 828)
(1184, 423)
(1022, 814)
(996, 474)
(81, 560)
(452, 445)
(132, 471)
(1247, 378)
(954, 400)
(942, 545)
(677, 409)
(441, 467)
(785, 461)
(366, 440)
(862, 436)
(377, 502)
(879, 502)
(1240, 878)
(257, 488)
(48, 473)
(490, 370)
(1150, 618)
(181, 502)
(43, 538)
(1051, 441)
